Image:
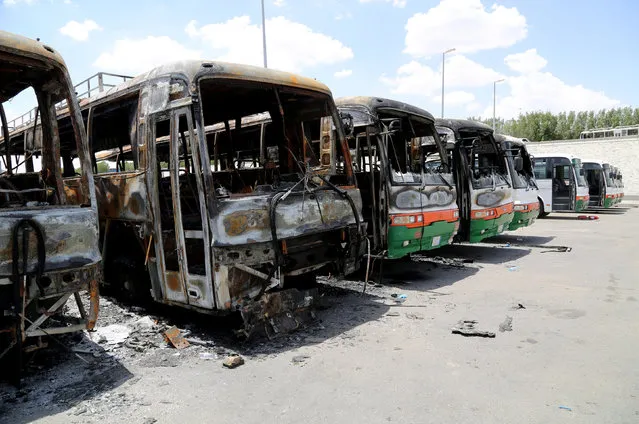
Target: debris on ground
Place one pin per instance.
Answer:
(468, 328)
(298, 359)
(518, 306)
(392, 314)
(414, 316)
(208, 355)
(507, 325)
(175, 338)
(112, 335)
(588, 217)
(233, 361)
(399, 298)
(565, 408)
(512, 267)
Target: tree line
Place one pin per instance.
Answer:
(543, 126)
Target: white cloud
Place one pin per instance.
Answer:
(396, 3)
(80, 31)
(136, 56)
(526, 62)
(346, 15)
(464, 25)
(279, 3)
(543, 91)
(343, 73)
(291, 46)
(14, 2)
(415, 77)
(456, 98)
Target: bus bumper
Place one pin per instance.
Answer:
(483, 228)
(523, 219)
(403, 241)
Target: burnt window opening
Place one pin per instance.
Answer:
(113, 135)
(261, 137)
(39, 151)
(523, 178)
(485, 161)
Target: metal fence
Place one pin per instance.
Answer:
(84, 89)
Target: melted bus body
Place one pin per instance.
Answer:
(484, 191)
(562, 183)
(522, 177)
(49, 248)
(205, 210)
(409, 207)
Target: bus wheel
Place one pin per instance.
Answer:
(542, 211)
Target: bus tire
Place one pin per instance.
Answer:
(542, 211)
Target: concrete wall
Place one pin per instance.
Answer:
(620, 152)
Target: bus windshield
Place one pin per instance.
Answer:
(581, 179)
(487, 164)
(246, 157)
(523, 178)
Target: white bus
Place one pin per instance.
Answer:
(616, 132)
(561, 181)
(520, 170)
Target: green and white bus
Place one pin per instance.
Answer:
(522, 177)
(601, 186)
(617, 183)
(408, 206)
(484, 191)
(562, 183)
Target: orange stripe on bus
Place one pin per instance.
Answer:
(496, 212)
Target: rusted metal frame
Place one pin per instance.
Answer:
(51, 145)
(262, 143)
(274, 282)
(52, 309)
(7, 140)
(174, 170)
(348, 164)
(152, 181)
(371, 166)
(196, 156)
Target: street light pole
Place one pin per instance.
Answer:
(264, 34)
(443, 65)
(495, 99)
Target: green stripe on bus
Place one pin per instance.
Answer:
(397, 235)
(484, 228)
(523, 219)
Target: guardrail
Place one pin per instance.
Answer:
(99, 82)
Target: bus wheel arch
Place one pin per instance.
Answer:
(542, 209)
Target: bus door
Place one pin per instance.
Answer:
(180, 225)
(563, 186)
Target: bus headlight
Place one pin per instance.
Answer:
(521, 208)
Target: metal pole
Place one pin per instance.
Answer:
(494, 102)
(264, 34)
(443, 64)
(495, 99)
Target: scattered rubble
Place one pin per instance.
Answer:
(233, 361)
(175, 338)
(468, 328)
(507, 325)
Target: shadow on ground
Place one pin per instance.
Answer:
(478, 253)
(56, 379)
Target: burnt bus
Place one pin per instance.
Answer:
(226, 220)
(484, 189)
(409, 207)
(49, 249)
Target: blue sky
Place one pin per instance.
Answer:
(553, 55)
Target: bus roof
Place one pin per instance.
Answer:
(557, 155)
(503, 138)
(196, 69)
(462, 124)
(29, 53)
(373, 103)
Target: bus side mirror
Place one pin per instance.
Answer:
(395, 126)
(519, 163)
(347, 123)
